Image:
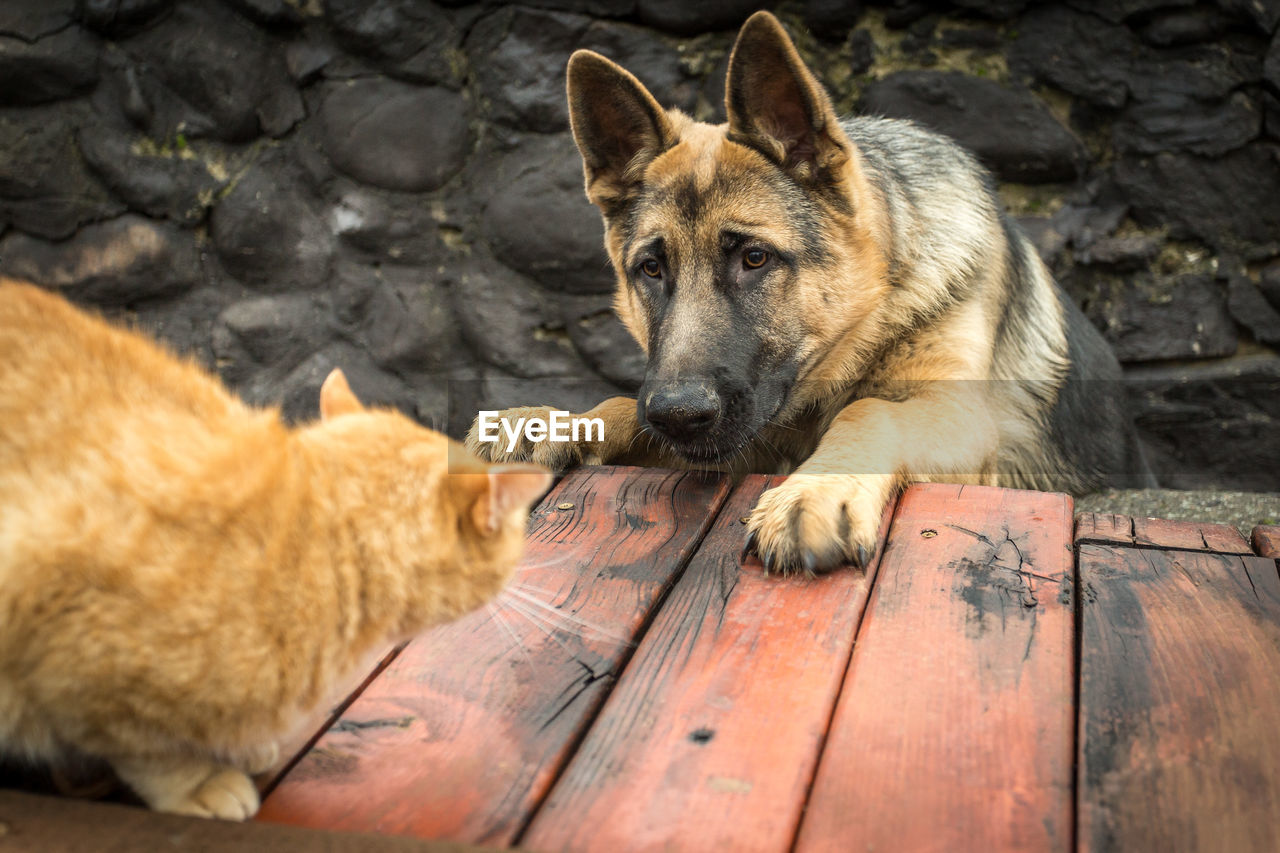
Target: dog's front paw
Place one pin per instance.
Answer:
(815, 522)
(504, 438)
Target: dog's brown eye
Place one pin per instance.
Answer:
(651, 268)
(753, 259)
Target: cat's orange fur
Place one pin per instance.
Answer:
(183, 577)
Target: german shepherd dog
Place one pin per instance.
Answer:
(845, 300)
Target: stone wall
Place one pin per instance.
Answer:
(281, 186)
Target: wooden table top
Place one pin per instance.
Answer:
(999, 679)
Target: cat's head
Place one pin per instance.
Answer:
(458, 523)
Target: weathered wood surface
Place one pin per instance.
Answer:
(1180, 672)
(710, 739)
(1104, 529)
(954, 730)
(464, 732)
(1266, 540)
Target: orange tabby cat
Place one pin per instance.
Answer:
(182, 577)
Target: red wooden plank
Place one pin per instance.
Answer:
(954, 730)
(1266, 540)
(1105, 529)
(710, 739)
(462, 735)
(1180, 670)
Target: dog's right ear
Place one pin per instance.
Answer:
(619, 127)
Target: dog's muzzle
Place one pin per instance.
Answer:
(682, 412)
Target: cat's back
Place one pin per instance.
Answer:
(100, 426)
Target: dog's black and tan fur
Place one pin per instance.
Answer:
(845, 300)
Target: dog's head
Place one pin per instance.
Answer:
(744, 251)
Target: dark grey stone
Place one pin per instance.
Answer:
(654, 59)
(1211, 425)
(409, 322)
(161, 184)
(539, 222)
(831, 20)
(272, 13)
(122, 261)
(1075, 52)
(184, 323)
(1172, 120)
(1000, 10)
(118, 17)
(1270, 284)
(862, 51)
(33, 19)
(509, 322)
(1122, 253)
(380, 225)
(1271, 65)
(412, 39)
(298, 393)
(1027, 144)
(903, 13)
(525, 52)
(1147, 320)
(595, 8)
(1174, 27)
(1122, 10)
(230, 83)
(58, 66)
(275, 332)
(603, 342)
(45, 188)
(269, 231)
(394, 135)
(1264, 14)
(1189, 99)
(985, 39)
(1251, 309)
(684, 18)
(305, 60)
(1230, 200)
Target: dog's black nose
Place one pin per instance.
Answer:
(682, 411)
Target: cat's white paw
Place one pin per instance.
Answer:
(228, 794)
(189, 786)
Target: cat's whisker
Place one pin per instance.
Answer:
(542, 623)
(526, 588)
(572, 618)
(495, 611)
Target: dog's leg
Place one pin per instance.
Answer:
(623, 441)
(828, 512)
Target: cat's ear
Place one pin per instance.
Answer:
(509, 487)
(336, 396)
(776, 106)
(619, 127)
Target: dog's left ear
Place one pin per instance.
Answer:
(776, 106)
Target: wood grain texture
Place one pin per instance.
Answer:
(1104, 529)
(1266, 540)
(954, 730)
(1180, 670)
(462, 734)
(711, 737)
